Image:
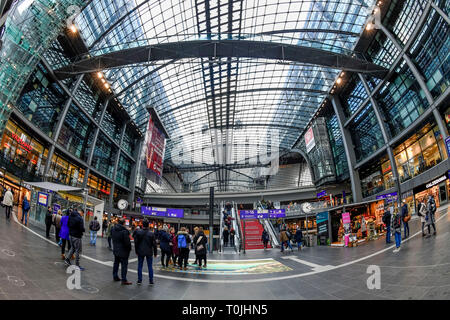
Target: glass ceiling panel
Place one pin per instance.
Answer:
(250, 97)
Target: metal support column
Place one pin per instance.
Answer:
(349, 150)
(383, 129)
(116, 164)
(419, 79)
(59, 125)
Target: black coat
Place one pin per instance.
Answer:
(121, 241)
(76, 225)
(226, 234)
(145, 243)
(164, 237)
(48, 217)
(298, 235)
(200, 246)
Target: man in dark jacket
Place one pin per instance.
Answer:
(387, 221)
(183, 240)
(48, 222)
(121, 249)
(200, 242)
(76, 230)
(404, 215)
(145, 246)
(164, 245)
(298, 238)
(94, 226)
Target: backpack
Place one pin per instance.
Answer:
(182, 241)
(288, 234)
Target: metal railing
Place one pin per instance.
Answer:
(234, 223)
(241, 233)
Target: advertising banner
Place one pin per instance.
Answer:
(156, 144)
(56, 208)
(322, 223)
(346, 222)
(309, 140)
(42, 199)
(447, 144)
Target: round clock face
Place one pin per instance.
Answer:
(307, 207)
(122, 204)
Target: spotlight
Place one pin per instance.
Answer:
(99, 75)
(339, 80)
(106, 85)
(73, 29)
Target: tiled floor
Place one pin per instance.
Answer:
(30, 268)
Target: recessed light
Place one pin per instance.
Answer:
(73, 28)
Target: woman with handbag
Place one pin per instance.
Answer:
(422, 213)
(200, 242)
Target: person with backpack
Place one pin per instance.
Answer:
(25, 209)
(200, 242)
(397, 226)
(183, 240)
(146, 248)
(265, 238)
(431, 210)
(422, 213)
(48, 222)
(285, 240)
(387, 221)
(94, 226)
(298, 238)
(405, 219)
(76, 230)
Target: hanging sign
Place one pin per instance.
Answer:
(42, 199)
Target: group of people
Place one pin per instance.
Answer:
(395, 219)
(228, 232)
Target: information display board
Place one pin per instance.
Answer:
(162, 212)
(262, 214)
(42, 199)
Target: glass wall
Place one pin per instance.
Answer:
(104, 156)
(337, 146)
(112, 125)
(353, 95)
(99, 187)
(376, 177)
(20, 153)
(42, 100)
(123, 171)
(76, 133)
(129, 141)
(64, 172)
(90, 98)
(420, 152)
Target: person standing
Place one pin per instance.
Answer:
(298, 238)
(164, 244)
(265, 238)
(64, 235)
(8, 201)
(174, 246)
(431, 210)
(48, 222)
(226, 236)
(387, 221)
(183, 240)
(200, 242)
(146, 248)
(104, 226)
(76, 230)
(422, 213)
(108, 233)
(284, 239)
(94, 226)
(56, 220)
(405, 219)
(192, 243)
(397, 226)
(25, 209)
(122, 248)
(232, 234)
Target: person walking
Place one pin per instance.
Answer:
(25, 209)
(64, 235)
(200, 242)
(298, 238)
(183, 240)
(192, 243)
(387, 217)
(56, 221)
(431, 210)
(122, 247)
(94, 226)
(232, 235)
(104, 226)
(164, 245)
(174, 246)
(76, 230)
(422, 213)
(146, 248)
(265, 238)
(48, 222)
(8, 201)
(108, 233)
(405, 219)
(225, 235)
(284, 239)
(397, 226)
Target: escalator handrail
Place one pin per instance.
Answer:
(221, 228)
(269, 227)
(235, 227)
(239, 225)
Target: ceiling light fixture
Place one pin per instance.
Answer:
(73, 28)
(99, 75)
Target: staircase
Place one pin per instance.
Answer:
(252, 234)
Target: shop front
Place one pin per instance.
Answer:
(438, 188)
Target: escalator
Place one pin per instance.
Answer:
(273, 232)
(229, 249)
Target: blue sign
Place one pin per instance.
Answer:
(42, 199)
(321, 194)
(175, 213)
(162, 212)
(248, 214)
(388, 196)
(447, 144)
(56, 208)
(263, 214)
(321, 217)
(277, 213)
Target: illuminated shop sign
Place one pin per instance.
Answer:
(21, 142)
(321, 194)
(435, 182)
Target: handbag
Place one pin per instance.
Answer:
(407, 218)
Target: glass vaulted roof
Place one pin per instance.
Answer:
(209, 103)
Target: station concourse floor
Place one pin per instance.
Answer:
(31, 268)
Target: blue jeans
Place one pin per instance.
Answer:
(25, 216)
(299, 244)
(288, 243)
(398, 239)
(149, 266)
(406, 227)
(93, 237)
(388, 234)
(124, 266)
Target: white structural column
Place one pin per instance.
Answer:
(382, 125)
(419, 79)
(349, 149)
